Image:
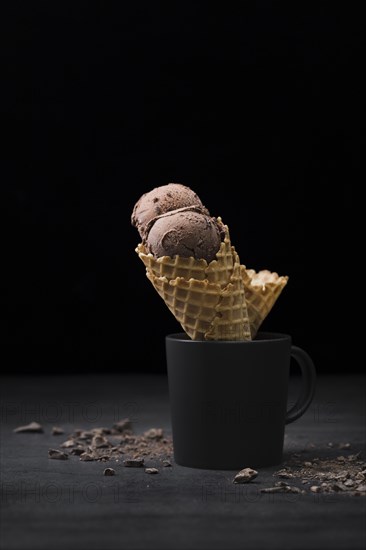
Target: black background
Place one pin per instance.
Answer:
(255, 107)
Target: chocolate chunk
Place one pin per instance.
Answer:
(245, 475)
(109, 472)
(87, 457)
(85, 435)
(67, 444)
(151, 471)
(99, 441)
(284, 474)
(77, 451)
(33, 427)
(57, 455)
(167, 463)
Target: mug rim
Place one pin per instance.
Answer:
(266, 336)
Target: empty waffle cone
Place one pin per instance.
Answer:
(207, 299)
(261, 292)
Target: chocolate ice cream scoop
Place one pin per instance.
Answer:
(161, 200)
(185, 232)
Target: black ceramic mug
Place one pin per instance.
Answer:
(228, 399)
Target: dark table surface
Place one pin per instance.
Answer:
(70, 504)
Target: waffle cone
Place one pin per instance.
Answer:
(261, 292)
(231, 321)
(208, 299)
(193, 303)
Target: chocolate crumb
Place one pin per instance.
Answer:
(87, 457)
(77, 451)
(103, 458)
(57, 455)
(167, 463)
(285, 474)
(154, 433)
(85, 435)
(109, 472)
(151, 471)
(99, 441)
(349, 483)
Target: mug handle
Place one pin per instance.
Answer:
(308, 384)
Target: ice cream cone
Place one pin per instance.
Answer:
(261, 292)
(207, 299)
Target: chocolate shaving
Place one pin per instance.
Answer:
(33, 427)
(282, 487)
